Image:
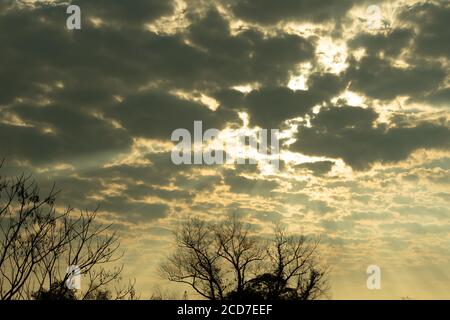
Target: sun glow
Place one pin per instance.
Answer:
(332, 55)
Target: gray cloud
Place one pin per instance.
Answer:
(421, 35)
(349, 133)
(157, 115)
(270, 12)
(270, 106)
(390, 44)
(119, 12)
(73, 135)
(133, 211)
(240, 184)
(84, 97)
(318, 168)
(378, 78)
(431, 22)
(417, 228)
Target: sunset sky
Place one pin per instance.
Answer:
(360, 91)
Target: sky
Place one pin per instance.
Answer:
(359, 91)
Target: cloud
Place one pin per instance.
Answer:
(349, 133)
(417, 228)
(120, 13)
(439, 97)
(56, 134)
(368, 216)
(430, 20)
(136, 212)
(157, 114)
(337, 225)
(318, 168)
(390, 44)
(240, 184)
(91, 108)
(379, 79)
(421, 41)
(318, 206)
(160, 171)
(270, 12)
(443, 195)
(247, 56)
(269, 107)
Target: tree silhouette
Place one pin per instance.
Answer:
(38, 243)
(226, 262)
(57, 291)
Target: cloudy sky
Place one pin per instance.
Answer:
(359, 90)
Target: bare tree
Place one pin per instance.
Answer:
(225, 261)
(197, 261)
(159, 293)
(38, 243)
(294, 264)
(242, 252)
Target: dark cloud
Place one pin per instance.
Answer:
(337, 225)
(198, 183)
(350, 133)
(240, 184)
(423, 39)
(307, 204)
(6, 4)
(141, 191)
(267, 216)
(443, 195)
(417, 228)
(89, 69)
(264, 216)
(396, 243)
(96, 63)
(411, 177)
(268, 107)
(121, 12)
(318, 168)
(442, 177)
(56, 134)
(271, 12)
(390, 44)
(430, 20)
(133, 211)
(379, 79)
(160, 171)
(157, 114)
(440, 97)
(406, 210)
(248, 56)
(368, 216)
(335, 119)
(292, 198)
(70, 89)
(318, 206)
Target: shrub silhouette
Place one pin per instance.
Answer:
(38, 243)
(226, 262)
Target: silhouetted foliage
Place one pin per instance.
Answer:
(57, 291)
(38, 243)
(225, 262)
